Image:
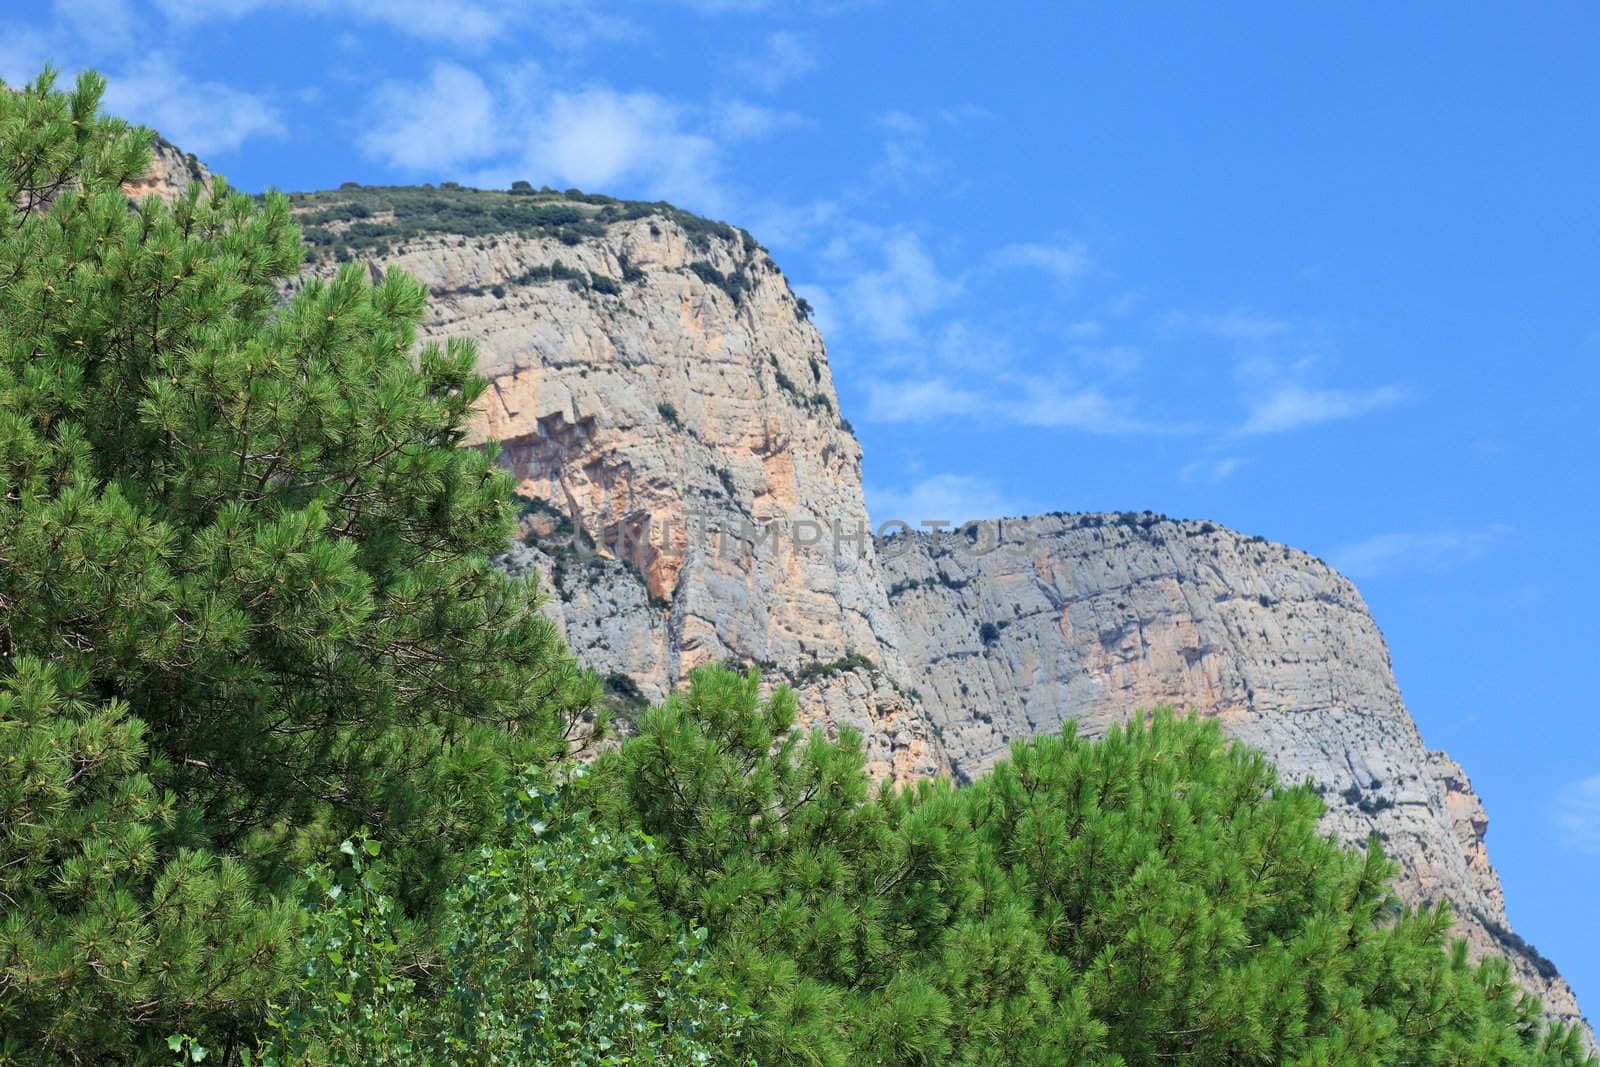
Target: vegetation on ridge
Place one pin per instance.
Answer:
(355, 220)
(284, 762)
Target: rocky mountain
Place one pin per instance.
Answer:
(691, 494)
(1019, 625)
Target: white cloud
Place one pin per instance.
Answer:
(598, 137)
(491, 131)
(1050, 405)
(1210, 470)
(1009, 399)
(954, 498)
(1291, 406)
(23, 54)
(782, 223)
(102, 25)
(824, 316)
(1432, 551)
(446, 122)
(783, 58)
(740, 120)
(907, 155)
(888, 303)
(447, 20)
(917, 401)
(1064, 263)
(756, 7)
(1577, 815)
(459, 22)
(207, 118)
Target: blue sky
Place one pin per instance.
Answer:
(1328, 278)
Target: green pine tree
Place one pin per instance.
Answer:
(1155, 896)
(245, 607)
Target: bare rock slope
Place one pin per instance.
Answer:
(693, 495)
(658, 390)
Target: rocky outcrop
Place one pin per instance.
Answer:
(692, 495)
(659, 387)
(1018, 625)
(171, 171)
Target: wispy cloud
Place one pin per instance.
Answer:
(449, 120)
(919, 401)
(463, 23)
(104, 26)
(782, 58)
(512, 124)
(740, 120)
(1065, 407)
(909, 155)
(954, 498)
(1006, 399)
(759, 7)
(889, 301)
(599, 137)
(1289, 407)
(23, 54)
(1210, 470)
(1064, 263)
(1577, 815)
(207, 118)
(1428, 551)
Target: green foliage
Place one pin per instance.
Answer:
(735, 285)
(245, 538)
(539, 966)
(355, 221)
(108, 938)
(1154, 896)
(850, 661)
(626, 695)
(1514, 943)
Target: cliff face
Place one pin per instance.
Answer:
(1018, 625)
(657, 386)
(694, 496)
(171, 171)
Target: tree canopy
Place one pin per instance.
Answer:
(1153, 896)
(245, 606)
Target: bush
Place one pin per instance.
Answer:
(540, 965)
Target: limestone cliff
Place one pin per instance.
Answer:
(171, 171)
(692, 495)
(657, 384)
(1017, 625)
